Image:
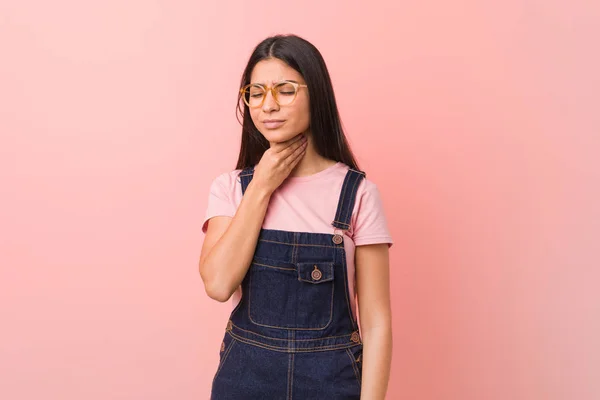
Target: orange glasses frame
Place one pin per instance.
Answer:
(271, 88)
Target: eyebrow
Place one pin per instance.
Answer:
(283, 80)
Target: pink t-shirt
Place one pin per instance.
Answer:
(309, 204)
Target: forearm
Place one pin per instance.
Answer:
(377, 358)
(226, 265)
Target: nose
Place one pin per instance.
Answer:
(269, 103)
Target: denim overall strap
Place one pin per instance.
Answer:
(347, 199)
(245, 177)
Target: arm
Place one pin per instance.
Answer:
(230, 242)
(373, 291)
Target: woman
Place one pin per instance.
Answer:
(295, 233)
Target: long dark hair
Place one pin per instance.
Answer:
(325, 125)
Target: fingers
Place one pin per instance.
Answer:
(296, 155)
(288, 151)
(279, 147)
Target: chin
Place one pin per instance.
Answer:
(275, 135)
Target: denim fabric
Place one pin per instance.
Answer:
(293, 334)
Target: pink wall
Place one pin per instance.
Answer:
(478, 120)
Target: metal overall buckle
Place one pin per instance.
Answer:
(338, 238)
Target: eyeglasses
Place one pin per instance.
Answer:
(284, 93)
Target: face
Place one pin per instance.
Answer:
(279, 123)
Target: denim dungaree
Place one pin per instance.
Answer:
(293, 334)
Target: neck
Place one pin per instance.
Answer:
(312, 162)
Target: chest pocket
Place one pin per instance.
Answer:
(291, 296)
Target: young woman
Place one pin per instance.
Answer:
(295, 234)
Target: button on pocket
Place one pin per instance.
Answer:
(312, 272)
(316, 274)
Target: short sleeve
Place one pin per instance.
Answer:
(370, 224)
(220, 198)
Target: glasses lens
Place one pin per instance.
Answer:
(286, 93)
(253, 95)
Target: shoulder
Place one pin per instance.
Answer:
(227, 179)
(369, 218)
(368, 197)
(366, 187)
(226, 184)
(368, 193)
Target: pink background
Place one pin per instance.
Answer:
(478, 120)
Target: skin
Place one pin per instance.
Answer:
(229, 243)
(296, 115)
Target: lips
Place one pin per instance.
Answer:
(273, 123)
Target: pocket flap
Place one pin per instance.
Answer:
(315, 272)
